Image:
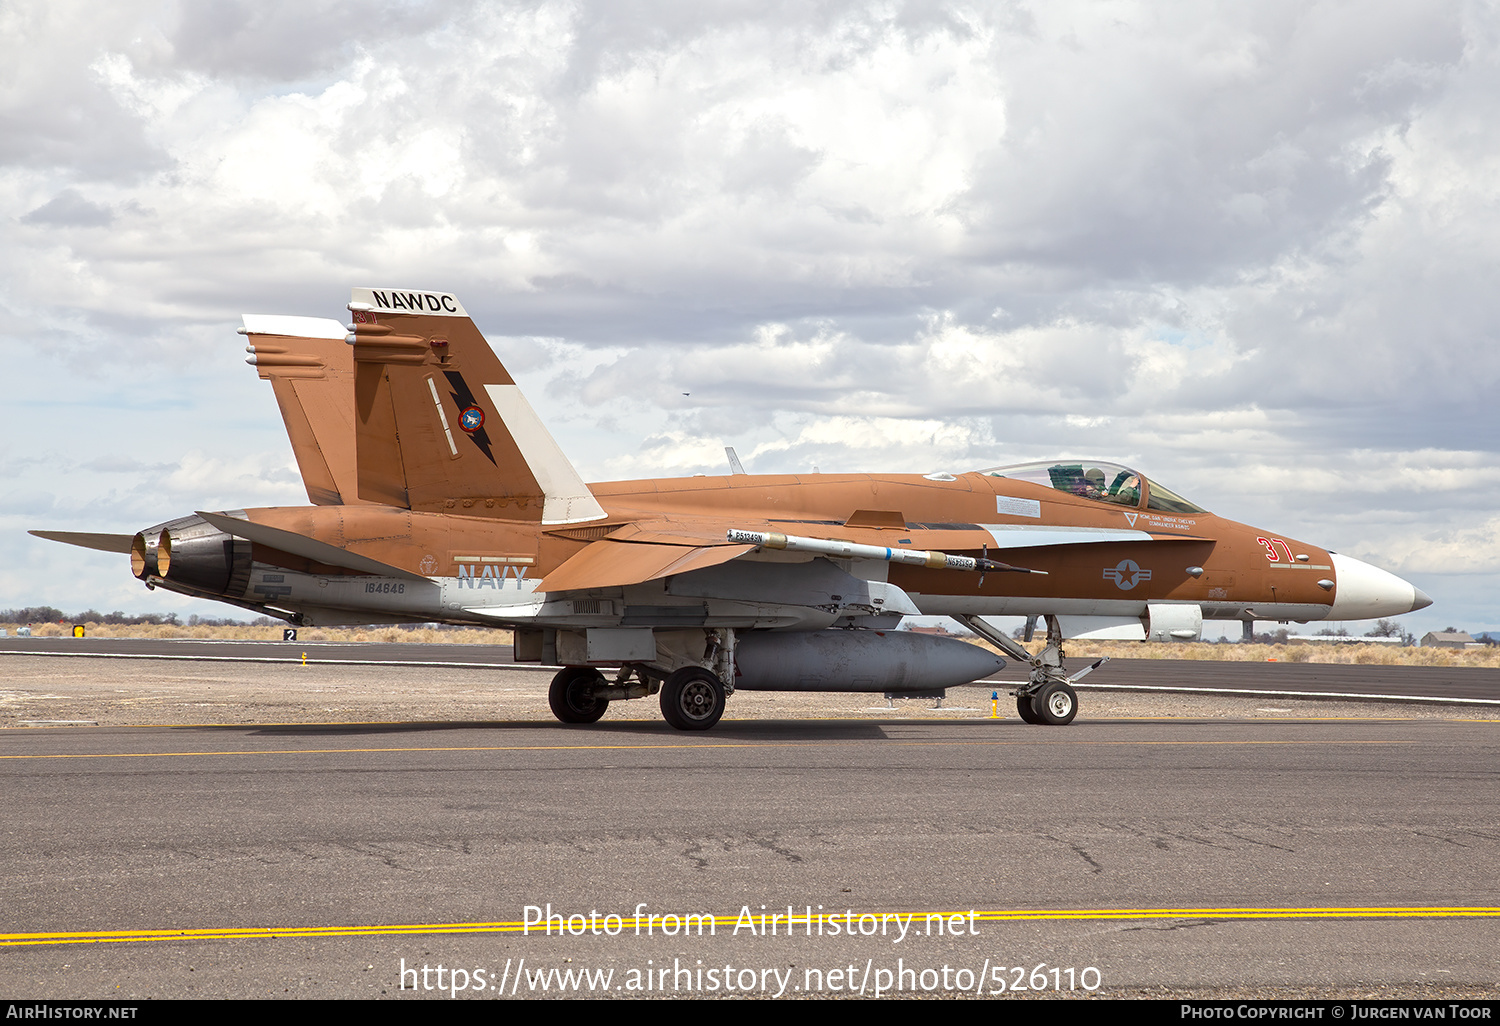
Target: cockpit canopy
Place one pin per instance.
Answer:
(1102, 482)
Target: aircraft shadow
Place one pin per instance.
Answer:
(725, 731)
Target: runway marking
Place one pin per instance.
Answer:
(728, 921)
(1188, 689)
(1321, 742)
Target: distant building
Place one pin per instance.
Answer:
(1449, 639)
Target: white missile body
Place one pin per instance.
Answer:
(851, 550)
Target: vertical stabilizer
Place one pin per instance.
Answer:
(440, 425)
(311, 372)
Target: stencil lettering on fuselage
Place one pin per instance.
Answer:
(489, 576)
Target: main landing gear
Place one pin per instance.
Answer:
(575, 694)
(1047, 697)
(692, 698)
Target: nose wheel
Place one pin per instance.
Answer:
(1024, 709)
(1054, 705)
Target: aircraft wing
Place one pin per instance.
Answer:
(643, 550)
(612, 564)
(646, 550)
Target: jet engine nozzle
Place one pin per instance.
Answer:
(192, 556)
(150, 553)
(1365, 592)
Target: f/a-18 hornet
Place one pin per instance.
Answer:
(439, 496)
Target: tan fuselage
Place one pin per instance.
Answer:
(1230, 569)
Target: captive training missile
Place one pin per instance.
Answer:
(850, 550)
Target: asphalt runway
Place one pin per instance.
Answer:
(228, 850)
(1454, 684)
(1289, 857)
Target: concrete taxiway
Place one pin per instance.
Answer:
(1284, 855)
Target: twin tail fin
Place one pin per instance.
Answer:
(440, 425)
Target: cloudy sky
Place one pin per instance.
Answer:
(1250, 249)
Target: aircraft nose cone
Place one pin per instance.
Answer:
(1365, 592)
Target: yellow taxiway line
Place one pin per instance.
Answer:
(800, 924)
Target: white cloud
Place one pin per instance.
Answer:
(1246, 248)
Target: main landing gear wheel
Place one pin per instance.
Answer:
(572, 695)
(1055, 704)
(1023, 707)
(692, 699)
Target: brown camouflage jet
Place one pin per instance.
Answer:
(439, 496)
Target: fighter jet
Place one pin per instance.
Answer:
(439, 496)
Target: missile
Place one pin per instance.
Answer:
(850, 550)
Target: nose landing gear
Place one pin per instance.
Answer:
(1047, 697)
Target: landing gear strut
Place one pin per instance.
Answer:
(1047, 697)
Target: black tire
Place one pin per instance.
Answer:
(571, 695)
(1055, 704)
(692, 699)
(1023, 707)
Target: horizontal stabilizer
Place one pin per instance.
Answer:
(307, 548)
(87, 540)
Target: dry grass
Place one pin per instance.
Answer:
(1378, 655)
(423, 635)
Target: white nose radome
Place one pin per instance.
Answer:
(1365, 592)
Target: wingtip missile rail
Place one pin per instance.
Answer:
(852, 550)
